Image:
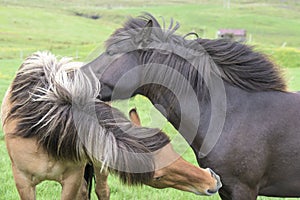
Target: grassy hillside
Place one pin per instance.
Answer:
(65, 27)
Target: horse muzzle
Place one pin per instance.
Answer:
(218, 183)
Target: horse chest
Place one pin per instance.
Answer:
(33, 162)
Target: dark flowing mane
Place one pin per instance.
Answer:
(56, 106)
(236, 63)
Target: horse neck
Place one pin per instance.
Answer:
(163, 101)
(179, 113)
(194, 126)
(194, 107)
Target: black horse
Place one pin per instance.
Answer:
(229, 102)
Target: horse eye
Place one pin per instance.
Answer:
(110, 53)
(158, 178)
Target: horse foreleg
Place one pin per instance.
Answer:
(73, 185)
(102, 188)
(24, 184)
(237, 192)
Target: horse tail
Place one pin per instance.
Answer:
(61, 109)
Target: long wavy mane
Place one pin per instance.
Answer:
(236, 63)
(57, 104)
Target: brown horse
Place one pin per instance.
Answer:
(54, 125)
(229, 102)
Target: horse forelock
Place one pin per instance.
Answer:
(236, 63)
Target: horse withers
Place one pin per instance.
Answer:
(54, 125)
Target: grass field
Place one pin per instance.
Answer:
(30, 25)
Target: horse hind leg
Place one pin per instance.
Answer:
(101, 187)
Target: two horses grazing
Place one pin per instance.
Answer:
(54, 125)
(229, 102)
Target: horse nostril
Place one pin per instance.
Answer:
(211, 192)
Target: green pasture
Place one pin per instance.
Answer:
(64, 28)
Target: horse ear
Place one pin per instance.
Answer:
(143, 37)
(134, 117)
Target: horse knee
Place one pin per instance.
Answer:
(84, 191)
(103, 192)
(102, 188)
(73, 185)
(26, 192)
